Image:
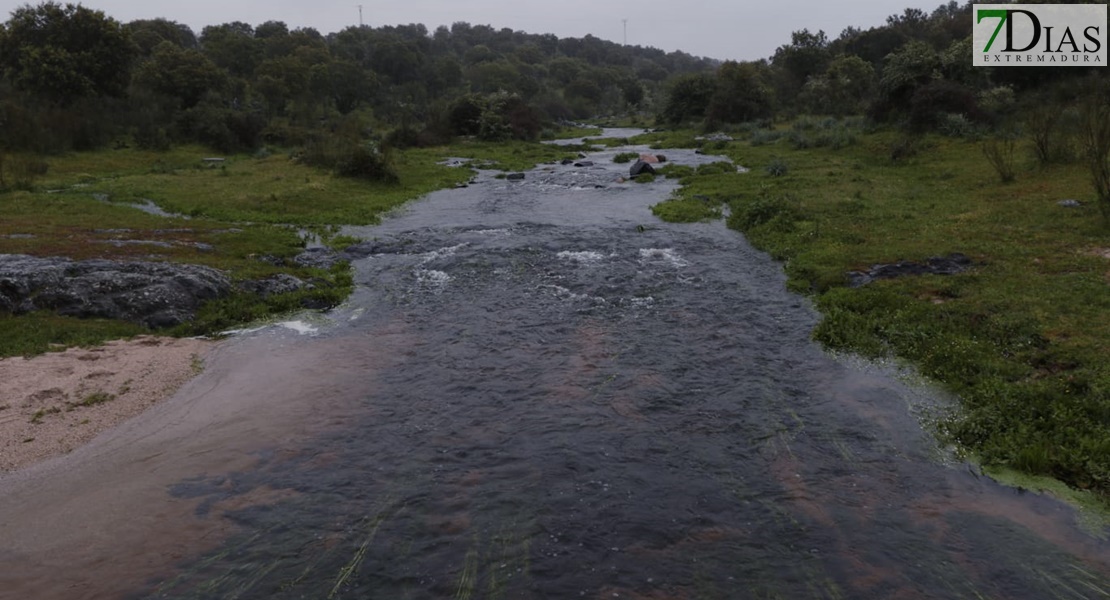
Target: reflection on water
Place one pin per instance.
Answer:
(533, 395)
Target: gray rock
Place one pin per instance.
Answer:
(937, 265)
(584, 163)
(515, 176)
(149, 293)
(1070, 203)
(282, 283)
(317, 258)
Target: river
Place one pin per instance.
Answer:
(539, 390)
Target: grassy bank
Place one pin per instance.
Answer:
(245, 214)
(1022, 337)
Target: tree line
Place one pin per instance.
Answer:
(74, 78)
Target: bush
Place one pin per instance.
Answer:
(625, 157)
(365, 162)
(19, 172)
(776, 168)
(760, 138)
(1000, 154)
(956, 125)
(762, 211)
(716, 168)
(930, 103)
(152, 138)
(676, 171)
(799, 140)
(905, 147)
(835, 138)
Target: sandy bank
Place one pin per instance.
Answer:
(53, 403)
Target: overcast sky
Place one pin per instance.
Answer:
(724, 29)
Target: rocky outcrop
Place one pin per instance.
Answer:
(282, 283)
(936, 265)
(150, 293)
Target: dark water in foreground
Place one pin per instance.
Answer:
(547, 393)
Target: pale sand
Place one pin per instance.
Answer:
(41, 410)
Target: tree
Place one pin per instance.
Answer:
(232, 46)
(689, 97)
(147, 34)
(912, 67)
(184, 74)
(806, 55)
(843, 89)
(64, 53)
(742, 93)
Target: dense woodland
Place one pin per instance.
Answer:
(76, 79)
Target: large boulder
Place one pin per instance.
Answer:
(153, 294)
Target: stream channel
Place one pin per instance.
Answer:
(539, 390)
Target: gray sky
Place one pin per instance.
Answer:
(725, 29)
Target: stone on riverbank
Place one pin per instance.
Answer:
(149, 293)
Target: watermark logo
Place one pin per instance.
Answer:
(1039, 35)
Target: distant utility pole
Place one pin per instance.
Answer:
(360, 15)
(625, 21)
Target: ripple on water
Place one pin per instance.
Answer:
(432, 279)
(664, 255)
(585, 257)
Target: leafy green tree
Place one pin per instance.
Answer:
(910, 68)
(806, 55)
(842, 90)
(147, 34)
(64, 53)
(688, 98)
(182, 73)
(742, 93)
(345, 83)
(232, 46)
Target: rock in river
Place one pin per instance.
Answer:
(153, 294)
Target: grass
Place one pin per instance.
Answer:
(1021, 338)
(96, 398)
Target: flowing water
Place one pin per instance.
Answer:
(539, 390)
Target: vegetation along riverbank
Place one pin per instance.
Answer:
(953, 216)
(1021, 336)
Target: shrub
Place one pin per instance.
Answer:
(716, 168)
(19, 172)
(762, 211)
(760, 138)
(798, 140)
(932, 101)
(371, 164)
(835, 139)
(1000, 153)
(956, 125)
(1096, 146)
(776, 168)
(676, 171)
(625, 157)
(905, 147)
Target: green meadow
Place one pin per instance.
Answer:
(1022, 337)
